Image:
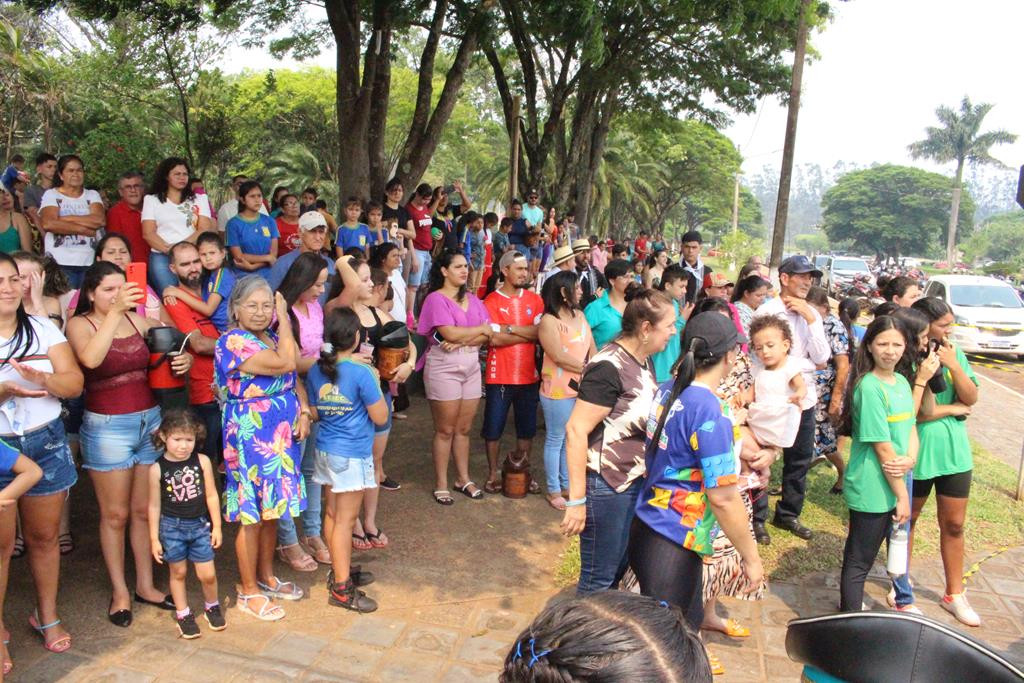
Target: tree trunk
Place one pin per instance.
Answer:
(380, 170)
(595, 152)
(954, 216)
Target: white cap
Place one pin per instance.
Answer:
(311, 220)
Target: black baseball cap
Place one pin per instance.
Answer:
(798, 264)
(718, 334)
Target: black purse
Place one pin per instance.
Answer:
(165, 343)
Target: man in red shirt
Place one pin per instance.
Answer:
(511, 378)
(185, 264)
(125, 217)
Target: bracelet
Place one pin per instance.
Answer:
(307, 412)
(920, 385)
(575, 503)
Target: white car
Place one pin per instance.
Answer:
(988, 316)
(841, 271)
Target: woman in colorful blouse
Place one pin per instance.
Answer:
(266, 415)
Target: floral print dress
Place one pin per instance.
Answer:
(825, 440)
(261, 459)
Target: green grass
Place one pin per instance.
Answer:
(994, 519)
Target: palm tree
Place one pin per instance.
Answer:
(959, 140)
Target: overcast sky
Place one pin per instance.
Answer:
(883, 67)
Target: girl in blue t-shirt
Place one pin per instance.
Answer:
(347, 398)
(691, 475)
(251, 235)
(217, 283)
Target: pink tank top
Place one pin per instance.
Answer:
(554, 380)
(311, 328)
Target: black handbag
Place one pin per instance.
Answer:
(170, 390)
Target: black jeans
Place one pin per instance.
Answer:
(667, 571)
(209, 413)
(796, 460)
(867, 532)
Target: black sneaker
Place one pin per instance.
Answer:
(390, 484)
(355, 572)
(215, 618)
(187, 627)
(346, 595)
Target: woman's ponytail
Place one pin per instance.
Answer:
(685, 370)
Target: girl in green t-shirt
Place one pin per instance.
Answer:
(879, 416)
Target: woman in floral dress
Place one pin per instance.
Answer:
(265, 416)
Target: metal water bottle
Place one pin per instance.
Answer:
(898, 557)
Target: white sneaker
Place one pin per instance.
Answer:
(909, 609)
(958, 606)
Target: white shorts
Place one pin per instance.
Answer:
(343, 474)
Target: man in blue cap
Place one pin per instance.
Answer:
(809, 341)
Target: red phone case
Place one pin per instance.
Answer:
(136, 274)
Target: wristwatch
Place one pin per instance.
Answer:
(496, 328)
(508, 329)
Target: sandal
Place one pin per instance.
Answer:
(268, 612)
(8, 662)
(733, 629)
(359, 542)
(66, 542)
(62, 644)
(19, 547)
(318, 549)
(476, 494)
(285, 590)
(444, 497)
(302, 562)
(492, 486)
(377, 540)
(716, 665)
(557, 502)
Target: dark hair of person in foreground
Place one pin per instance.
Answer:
(607, 636)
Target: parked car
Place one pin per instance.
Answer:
(841, 271)
(820, 261)
(988, 316)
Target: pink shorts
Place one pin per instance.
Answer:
(452, 376)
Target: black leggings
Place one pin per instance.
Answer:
(667, 571)
(867, 532)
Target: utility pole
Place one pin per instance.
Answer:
(786, 172)
(513, 178)
(736, 205)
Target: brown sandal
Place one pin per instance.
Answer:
(317, 549)
(304, 562)
(492, 486)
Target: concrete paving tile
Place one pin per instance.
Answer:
(114, 674)
(722, 641)
(458, 673)
(296, 648)
(739, 666)
(483, 651)
(1001, 570)
(504, 621)
(407, 667)
(778, 616)
(379, 631)
(1006, 587)
(986, 602)
(321, 677)
(64, 667)
(347, 658)
(999, 624)
(158, 656)
(431, 640)
(268, 671)
(774, 639)
(454, 615)
(781, 669)
(214, 665)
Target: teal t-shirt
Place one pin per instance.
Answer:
(664, 360)
(881, 412)
(945, 448)
(605, 322)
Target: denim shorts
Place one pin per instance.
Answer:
(119, 442)
(186, 539)
(342, 474)
(421, 276)
(386, 427)
(500, 398)
(46, 446)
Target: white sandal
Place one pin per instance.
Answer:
(269, 611)
(279, 590)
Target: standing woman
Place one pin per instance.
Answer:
(830, 385)
(604, 315)
(288, 224)
(38, 371)
(72, 219)
(945, 462)
(121, 415)
(252, 236)
(605, 438)
(747, 297)
(17, 235)
(172, 213)
(266, 415)
(565, 337)
(301, 288)
(388, 257)
(657, 265)
(455, 324)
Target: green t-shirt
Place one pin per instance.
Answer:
(945, 448)
(604, 320)
(881, 412)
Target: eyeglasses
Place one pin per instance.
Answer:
(258, 308)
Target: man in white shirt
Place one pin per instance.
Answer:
(809, 341)
(229, 209)
(564, 259)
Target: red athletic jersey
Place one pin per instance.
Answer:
(515, 364)
(422, 221)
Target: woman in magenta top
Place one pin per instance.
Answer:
(455, 324)
(121, 415)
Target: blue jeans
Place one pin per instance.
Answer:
(311, 519)
(901, 584)
(159, 272)
(556, 415)
(605, 537)
(75, 275)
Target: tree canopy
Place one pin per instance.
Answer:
(999, 238)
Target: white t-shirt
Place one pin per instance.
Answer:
(398, 311)
(19, 415)
(229, 210)
(71, 250)
(175, 222)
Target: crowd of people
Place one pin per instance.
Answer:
(245, 366)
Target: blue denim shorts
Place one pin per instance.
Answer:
(342, 474)
(186, 539)
(47, 446)
(422, 275)
(386, 427)
(119, 442)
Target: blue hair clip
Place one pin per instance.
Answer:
(663, 603)
(519, 654)
(535, 655)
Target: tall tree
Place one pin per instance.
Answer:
(959, 139)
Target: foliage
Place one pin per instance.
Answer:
(1000, 238)
(737, 247)
(108, 153)
(892, 210)
(811, 243)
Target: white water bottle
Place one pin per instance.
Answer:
(898, 557)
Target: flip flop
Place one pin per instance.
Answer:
(8, 663)
(359, 542)
(377, 540)
(558, 502)
(492, 486)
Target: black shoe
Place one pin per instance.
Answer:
(390, 484)
(187, 627)
(793, 526)
(215, 619)
(355, 572)
(345, 595)
(775, 491)
(761, 534)
(167, 603)
(122, 617)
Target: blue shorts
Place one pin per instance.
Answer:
(344, 475)
(499, 398)
(522, 249)
(421, 276)
(119, 442)
(386, 427)
(186, 539)
(46, 446)
(535, 252)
